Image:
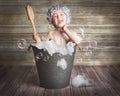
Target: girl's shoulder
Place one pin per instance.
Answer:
(50, 35)
(51, 32)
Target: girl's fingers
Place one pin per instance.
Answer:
(36, 37)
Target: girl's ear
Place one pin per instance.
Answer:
(48, 19)
(50, 22)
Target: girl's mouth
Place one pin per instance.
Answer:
(60, 21)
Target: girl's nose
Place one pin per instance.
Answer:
(59, 17)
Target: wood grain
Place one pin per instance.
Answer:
(100, 20)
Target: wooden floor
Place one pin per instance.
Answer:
(23, 81)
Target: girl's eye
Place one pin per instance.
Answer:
(54, 15)
(61, 14)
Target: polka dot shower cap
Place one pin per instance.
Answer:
(59, 7)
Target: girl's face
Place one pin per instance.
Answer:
(59, 18)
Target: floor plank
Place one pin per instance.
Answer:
(24, 81)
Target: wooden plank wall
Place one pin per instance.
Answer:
(99, 18)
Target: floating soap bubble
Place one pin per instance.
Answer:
(46, 58)
(88, 53)
(88, 45)
(43, 28)
(22, 43)
(86, 48)
(82, 32)
(49, 28)
(85, 43)
(43, 38)
(38, 56)
(93, 44)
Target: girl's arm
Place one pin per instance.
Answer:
(48, 36)
(73, 36)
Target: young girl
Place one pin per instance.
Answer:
(59, 17)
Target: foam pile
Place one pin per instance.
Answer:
(80, 80)
(53, 47)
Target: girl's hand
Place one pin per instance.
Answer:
(65, 28)
(36, 38)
